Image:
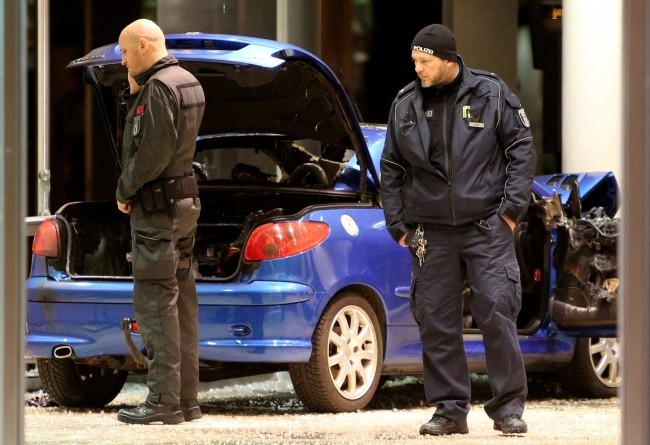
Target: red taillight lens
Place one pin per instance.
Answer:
(279, 240)
(46, 240)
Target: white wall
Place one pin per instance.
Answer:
(592, 86)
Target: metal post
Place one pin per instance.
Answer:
(634, 315)
(13, 200)
(43, 198)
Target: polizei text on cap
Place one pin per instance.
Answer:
(423, 49)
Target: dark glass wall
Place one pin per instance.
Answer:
(366, 42)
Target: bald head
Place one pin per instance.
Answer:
(143, 44)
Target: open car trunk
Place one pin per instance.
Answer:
(278, 135)
(243, 181)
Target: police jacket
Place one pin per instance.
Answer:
(161, 127)
(489, 160)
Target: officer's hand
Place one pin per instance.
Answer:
(508, 221)
(133, 85)
(124, 207)
(402, 240)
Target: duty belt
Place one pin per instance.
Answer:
(161, 193)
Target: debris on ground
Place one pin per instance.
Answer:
(42, 399)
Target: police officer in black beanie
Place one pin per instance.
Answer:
(456, 175)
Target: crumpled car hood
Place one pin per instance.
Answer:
(252, 86)
(595, 189)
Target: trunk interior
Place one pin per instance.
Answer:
(98, 235)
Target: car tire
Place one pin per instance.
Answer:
(77, 385)
(595, 370)
(345, 366)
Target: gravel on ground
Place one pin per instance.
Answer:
(266, 411)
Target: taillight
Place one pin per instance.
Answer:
(47, 242)
(282, 239)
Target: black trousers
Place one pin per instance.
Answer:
(165, 301)
(486, 257)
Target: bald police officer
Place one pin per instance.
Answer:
(157, 188)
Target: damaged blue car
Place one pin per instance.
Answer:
(294, 266)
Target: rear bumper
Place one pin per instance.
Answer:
(256, 322)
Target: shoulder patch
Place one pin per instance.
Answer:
(523, 117)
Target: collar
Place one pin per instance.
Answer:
(165, 62)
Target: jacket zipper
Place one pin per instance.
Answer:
(447, 159)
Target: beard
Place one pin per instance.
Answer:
(438, 78)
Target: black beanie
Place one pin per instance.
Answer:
(437, 40)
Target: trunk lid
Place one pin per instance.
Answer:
(253, 87)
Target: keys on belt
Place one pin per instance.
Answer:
(419, 244)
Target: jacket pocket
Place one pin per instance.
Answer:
(514, 277)
(473, 112)
(412, 302)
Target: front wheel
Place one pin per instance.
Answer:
(343, 371)
(77, 385)
(595, 370)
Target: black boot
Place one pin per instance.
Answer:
(440, 426)
(191, 409)
(150, 412)
(511, 424)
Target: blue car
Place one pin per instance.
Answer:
(294, 266)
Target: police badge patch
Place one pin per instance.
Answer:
(136, 125)
(524, 118)
(137, 119)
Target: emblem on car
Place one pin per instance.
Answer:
(349, 225)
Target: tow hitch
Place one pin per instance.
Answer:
(129, 326)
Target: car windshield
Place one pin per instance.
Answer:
(269, 159)
(239, 164)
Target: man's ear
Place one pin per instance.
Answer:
(142, 44)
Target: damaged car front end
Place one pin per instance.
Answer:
(586, 292)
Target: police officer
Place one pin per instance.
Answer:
(158, 190)
(456, 173)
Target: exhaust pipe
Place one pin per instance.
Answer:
(64, 351)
